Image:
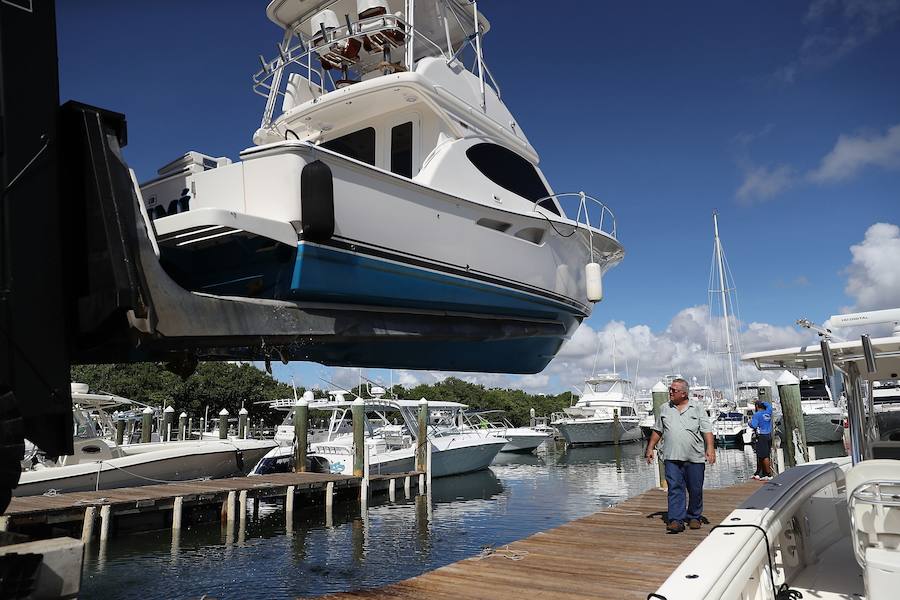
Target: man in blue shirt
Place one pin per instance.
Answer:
(761, 422)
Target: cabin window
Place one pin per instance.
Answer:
(510, 171)
(359, 145)
(402, 149)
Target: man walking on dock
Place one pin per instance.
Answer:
(686, 431)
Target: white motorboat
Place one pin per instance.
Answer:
(822, 418)
(604, 414)
(99, 464)
(394, 179)
(827, 529)
(886, 401)
(728, 427)
(391, 440)
(519, 439)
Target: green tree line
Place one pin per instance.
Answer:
(219, 385)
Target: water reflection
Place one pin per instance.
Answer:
(522, 494)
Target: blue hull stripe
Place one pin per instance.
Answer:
(326, 274)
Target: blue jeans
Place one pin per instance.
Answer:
(683, 476)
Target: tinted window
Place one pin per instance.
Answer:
(359, 145)
(401, 149)
(510, 171)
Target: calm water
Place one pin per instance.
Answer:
(518, 496)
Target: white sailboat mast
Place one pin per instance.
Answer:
(720, 263)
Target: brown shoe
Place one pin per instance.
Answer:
(694, 524)
(675, 527)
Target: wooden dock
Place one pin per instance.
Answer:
(619, 553)
(163, 505)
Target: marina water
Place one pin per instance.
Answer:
(519, 496)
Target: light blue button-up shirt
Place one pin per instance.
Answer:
(682, 432)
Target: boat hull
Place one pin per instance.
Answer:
(823, 428)
(205, 460)
(396, 246)
(590, 432)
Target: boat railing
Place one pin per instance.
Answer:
(604, 222)
(297, 50)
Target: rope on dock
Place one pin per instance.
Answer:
(504, 552)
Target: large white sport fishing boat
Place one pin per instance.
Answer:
(604, 414)
(826, 529)
(387, 174)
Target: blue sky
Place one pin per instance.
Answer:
(783, 116)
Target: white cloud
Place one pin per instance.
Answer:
(873, 277)
(763, 183)
(851, 154)
(835, 29)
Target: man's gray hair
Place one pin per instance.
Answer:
(687, 387)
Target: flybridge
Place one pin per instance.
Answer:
(333, 44)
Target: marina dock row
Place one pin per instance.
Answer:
(619, 553)
(179, 504)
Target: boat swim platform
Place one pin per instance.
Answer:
(164, 504)
(619, 553)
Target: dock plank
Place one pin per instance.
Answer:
(621, 552)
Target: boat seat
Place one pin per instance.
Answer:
(378, 41)
(296, 92)
(339, 55)
(873, 499)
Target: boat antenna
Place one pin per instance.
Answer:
(343, 389)
(614, 353)
(294, 385)
(596, 355)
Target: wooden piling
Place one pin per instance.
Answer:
(795, 451)
(104, 522)
(223, 424)
(301, 432)
(242, 423)
(182, 426)
(120, 432)
(660, 394)
(289, 500)
(406, 486)
(168, 423)
(422, 435)
(146, 424)
(392, 490)
(87, 526)
(357, 409)
(616, 435)
(242, 506)
(229, 506)
(177, 507)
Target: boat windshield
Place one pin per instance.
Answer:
(601, 387)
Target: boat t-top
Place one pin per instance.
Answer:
(391, 435)
(388, 176)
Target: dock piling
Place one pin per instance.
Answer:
(87, 526)
(120, 432)
(223, 424)
(105, 518)
(616, 434)
(176, 513)
(182, 426)
(301, 431)
(392, 490)
(242, 507)
(422, 435)
(229, 507)
(168, 423)
(357, 409)
(795, 450)
(242, 423)
(406, 486)
(146, 424)
(660, 394)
